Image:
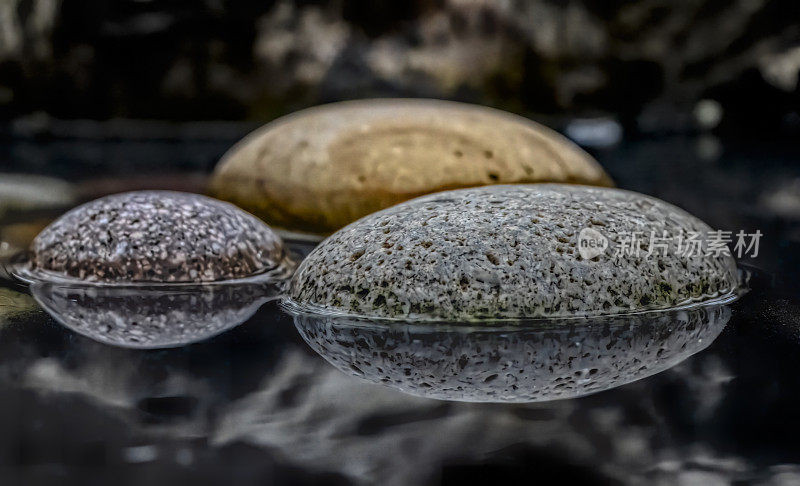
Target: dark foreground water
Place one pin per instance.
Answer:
(275, 401)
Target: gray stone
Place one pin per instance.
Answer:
(512, 252)
(157, 236)
(24, 192)
(565, 358)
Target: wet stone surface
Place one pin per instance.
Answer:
(510, 252)
(158, 237)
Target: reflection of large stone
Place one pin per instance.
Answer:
(322, 168)
(152, 317)
(544, 361)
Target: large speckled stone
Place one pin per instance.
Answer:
(564, 359)
(510, 251)
(322, 168)
(157, 236)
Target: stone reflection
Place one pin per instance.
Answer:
(526, 362)
(152, 317)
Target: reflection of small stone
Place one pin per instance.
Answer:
(152, 318)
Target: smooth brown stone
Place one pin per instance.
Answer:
(319, 169)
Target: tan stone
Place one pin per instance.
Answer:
(14, 305)
(322, 168)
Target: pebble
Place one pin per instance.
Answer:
(157, 236)
(322, 168)
(24, 192)
(512, 251)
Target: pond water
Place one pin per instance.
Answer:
(96, 386)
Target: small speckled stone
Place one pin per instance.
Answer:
(510, 251)
(564, 360)
(157, 236)
(322, 168)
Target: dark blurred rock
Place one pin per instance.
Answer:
(647, 62)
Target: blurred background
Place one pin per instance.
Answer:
(654, 66)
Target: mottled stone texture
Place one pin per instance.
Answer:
(566, 359)
(322, 168)
(157, 236)
(510, 251)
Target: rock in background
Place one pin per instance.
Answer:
(649, 64)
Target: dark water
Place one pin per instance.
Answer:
(262, 403)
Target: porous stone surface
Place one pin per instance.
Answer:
(512, 251)
(564, 360)
(149, 318)
(322, 168)
(157, 236)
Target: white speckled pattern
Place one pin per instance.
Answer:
(157, 236)
(506, 252)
